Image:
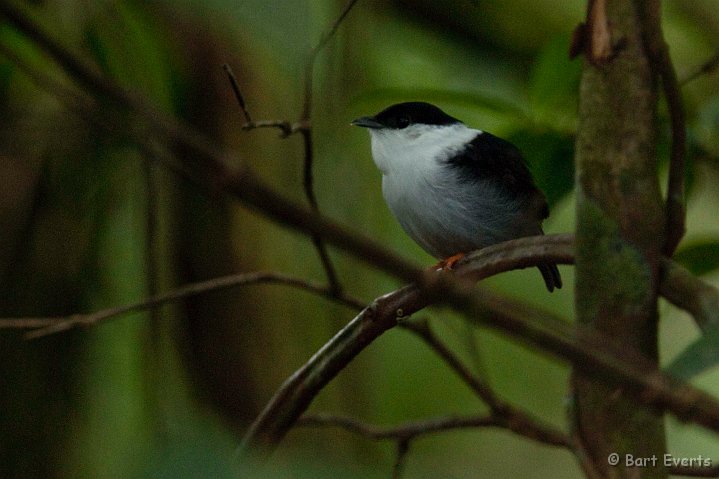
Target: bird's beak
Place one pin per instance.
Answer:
(367, 122)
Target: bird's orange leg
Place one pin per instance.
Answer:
(448, 263)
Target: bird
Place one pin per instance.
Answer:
(453, 188)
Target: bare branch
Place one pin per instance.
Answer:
(483, 390)
(294, 396)
(238, 94)
(537, 328)
(516, 420)
(684, 290)
(708, 66)
(402, 432)
(308, 176)
(312, 57)
(694, 471)
(48, 326)
(304, 126)
(284, 126)
(400, 458)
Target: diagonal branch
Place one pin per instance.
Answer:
(536, 328)
(47, 326)
(312, 57)
(294, 396)
(708, 66)
(516, 420)
(684, 290)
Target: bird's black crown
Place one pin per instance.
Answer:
(402, 115)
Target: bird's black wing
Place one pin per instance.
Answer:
(488, 156)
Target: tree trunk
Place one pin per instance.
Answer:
(620, 228)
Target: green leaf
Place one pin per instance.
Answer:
(698, 357)
(699, 258)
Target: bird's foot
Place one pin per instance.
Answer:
(447, 264)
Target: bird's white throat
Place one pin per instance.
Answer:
(418, 147)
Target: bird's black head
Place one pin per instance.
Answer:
(402, 115)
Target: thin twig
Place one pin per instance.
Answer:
(306, 118)
(286, 128)
(48, 326)
(422, 329)
(402, 432)
(684, 290)
(400, 460)
(517, 421)
(304, 127)
(708, 66)
(238, 94)
(312, 57)
(405, 433)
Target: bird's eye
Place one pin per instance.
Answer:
(403, 122)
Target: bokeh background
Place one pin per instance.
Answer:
(86, 223)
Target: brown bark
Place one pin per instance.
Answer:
(620, 228)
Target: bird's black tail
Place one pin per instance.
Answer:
(550, 273)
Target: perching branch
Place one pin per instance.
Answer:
(295, 395)
(595, 356)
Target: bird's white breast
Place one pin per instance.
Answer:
(441, 212)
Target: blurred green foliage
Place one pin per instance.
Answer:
(86, 224)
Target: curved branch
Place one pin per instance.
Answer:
(295, 395)
(529, 325)
(662, 64)
(685, 291)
